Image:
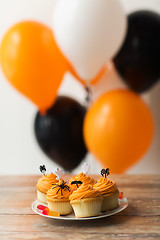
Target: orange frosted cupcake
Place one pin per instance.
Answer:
(86, 201)
(82, 177)
(44, 184)
(108, 190)
(76, 181)
(58, 198)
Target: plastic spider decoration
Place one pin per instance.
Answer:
(105, 172)
(42, 168)
(76, 182)
(61, 187)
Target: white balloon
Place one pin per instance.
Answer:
(89, 33)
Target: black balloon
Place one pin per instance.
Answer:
(138, 61)
(59, 132)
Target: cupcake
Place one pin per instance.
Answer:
(58, 198)
(82, 177)
(44, 184)
(86, 201)
(108, 190)
(76, 181)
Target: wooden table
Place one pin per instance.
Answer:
(141, 220)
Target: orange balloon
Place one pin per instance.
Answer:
(93, 81)
(32, 62)
(118, 129)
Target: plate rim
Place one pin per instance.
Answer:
(122, 206)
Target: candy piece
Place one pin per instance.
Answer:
(121, 195)
(45, 212)
(55, 214)
(41, 207)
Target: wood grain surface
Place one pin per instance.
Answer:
(141, 220)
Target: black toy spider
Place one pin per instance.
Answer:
(42, 168)
(105, 172)
(76, 182)
(61, 187)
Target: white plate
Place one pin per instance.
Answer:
(123, 203)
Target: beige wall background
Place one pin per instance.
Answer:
(19, 151)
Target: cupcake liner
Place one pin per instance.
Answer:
(87, 207)
(41, 196)
(61, 206)
(110, 201)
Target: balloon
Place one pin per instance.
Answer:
(118, 129)
(138, 61)
(89, 33)
(59, 132)
(32, 62)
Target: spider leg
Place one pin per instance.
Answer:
(58, 190)
(68, 188)
(61, 192)
(54, 187)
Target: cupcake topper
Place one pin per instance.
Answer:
(42, 168)
(59, 173)
(76, 182)
(85, 168)
(62, 186)
(105, 172)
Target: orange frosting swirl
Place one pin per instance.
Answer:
(104, 185)
(72, 179)
(83, 178)
(45, 182)
(56, 193)
(84, 191)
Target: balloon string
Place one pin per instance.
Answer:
(88, 95)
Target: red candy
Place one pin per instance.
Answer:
(42, 209)
(45, 212)
(121, 195)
